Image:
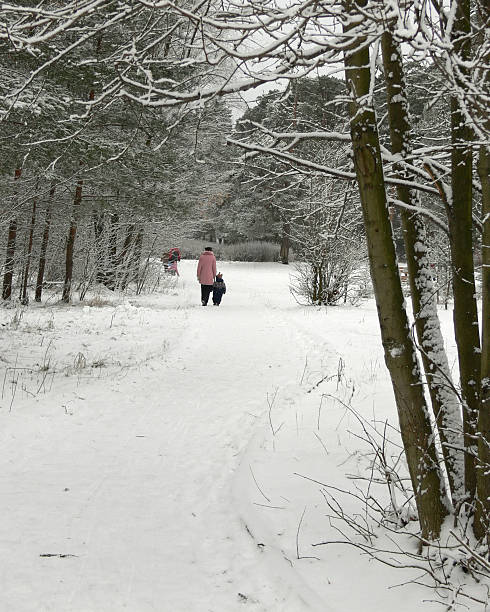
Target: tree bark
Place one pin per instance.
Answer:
(482, 511)
(445, 404)
(110, 274)
(124, 259)
(99, 225)
(399, 349)
(459, 211)
(138, 250)
(70, 244)
(44, 245)
(24, 298)
(284, 253)
(10, 254)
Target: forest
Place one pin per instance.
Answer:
(334, 137)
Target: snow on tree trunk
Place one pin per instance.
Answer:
(444, 400)
(460, 228)
(399, 349)
(482, 514)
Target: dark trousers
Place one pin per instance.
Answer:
(205, 292)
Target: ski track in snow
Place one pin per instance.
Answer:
(160, 478)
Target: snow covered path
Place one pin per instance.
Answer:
(133, 476)
(161, 456)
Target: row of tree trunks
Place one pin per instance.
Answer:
(445, 404)
(399, 349)
(10, 252)
(114, 269)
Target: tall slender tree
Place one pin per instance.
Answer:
(399, 350)
(459, 210)
(24, 298)
(482, 514)
(70, 243)
(11, 242)
(44, 244)
(445, 403)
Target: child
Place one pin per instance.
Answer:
(170, 261)
(219, 289)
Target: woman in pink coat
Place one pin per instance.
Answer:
(206, 273)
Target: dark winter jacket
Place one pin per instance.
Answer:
(219, 288)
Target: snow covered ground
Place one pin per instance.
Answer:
(158, 455)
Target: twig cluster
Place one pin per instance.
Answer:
(455, 567)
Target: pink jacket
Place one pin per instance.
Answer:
(206, 268)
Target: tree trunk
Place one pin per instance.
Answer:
(24, 298)
(9, 260)
(400, 355)
(70, 244)
(44, 245)
(133, 257)
(10, 254)
(482, 513)
(110, 274)
(138, 250)
(460, 227)
(445, 403)
(98, 220)
(284, 253)
(124, 257)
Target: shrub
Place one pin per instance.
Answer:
(329, 274)
(251, 251)
(254, 250)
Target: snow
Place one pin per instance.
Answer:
(158, 455)
(396, 351)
